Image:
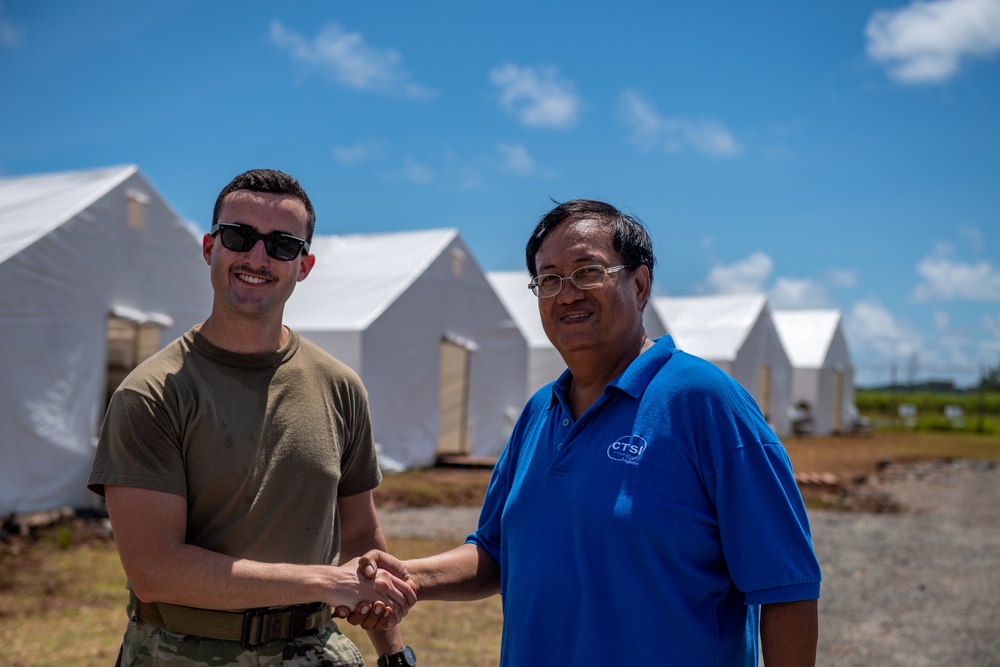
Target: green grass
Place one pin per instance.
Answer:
(982, 410)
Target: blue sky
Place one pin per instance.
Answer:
(841, 154)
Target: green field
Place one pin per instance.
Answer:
(980, 410)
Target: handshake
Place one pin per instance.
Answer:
(382, 592)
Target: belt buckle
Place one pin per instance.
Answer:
(248, 618)
(300, 619)
(271, 623)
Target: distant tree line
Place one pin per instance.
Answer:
(990, 381)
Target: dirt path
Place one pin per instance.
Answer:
(918, 587)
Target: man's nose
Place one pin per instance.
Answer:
(258, 253)
(569, 292)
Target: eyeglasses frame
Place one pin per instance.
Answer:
(534, 285)
(266, 238)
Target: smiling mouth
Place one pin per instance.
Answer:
(575, 317)
(251, 279)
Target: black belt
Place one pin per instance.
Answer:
(250, 628)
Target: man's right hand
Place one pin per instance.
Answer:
(375, 614)
(380, 598)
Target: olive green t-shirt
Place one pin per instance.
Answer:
(260, 445)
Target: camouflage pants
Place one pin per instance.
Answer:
(147, 645)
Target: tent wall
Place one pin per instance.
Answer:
(401, 358)
(762, 349)
(823, 374)
(545, 364)
(814, 386)
(344, 345)
(55, 299)
(651, 321)
(817, 386)
(840, 359)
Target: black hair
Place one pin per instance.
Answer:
(270, 181)
(628, 235)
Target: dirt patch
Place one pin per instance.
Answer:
(447, 487)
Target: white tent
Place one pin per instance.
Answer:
(545, 364)
(414, 315)
(822, 372)
(96, 273)
(737, 334)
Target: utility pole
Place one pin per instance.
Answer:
(892, 396)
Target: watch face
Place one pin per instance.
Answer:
(409, 657)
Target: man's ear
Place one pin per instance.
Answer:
(306, 263)
(207, 243)
(643, 284)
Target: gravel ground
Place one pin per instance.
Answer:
(916, 584)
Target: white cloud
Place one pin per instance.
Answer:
(349, 60)
(537, 97)
(642, 119)
(842, 278)
(795, 293)
(973, 236)
(870, 326)
(746, 276)
(942, 320)
(11, 34)
(357, 153)
(416, 172)
(469, 179)
(458, 172)
(991, 325)
(753, 275)
(516, 158)
(649, 130)
(945, 279)
(925, 42)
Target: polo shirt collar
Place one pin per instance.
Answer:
(633, 380)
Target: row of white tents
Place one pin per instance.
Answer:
(97, 272)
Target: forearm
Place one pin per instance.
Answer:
(464, 573)
(195, 577)
(788, 633)
(149, 528)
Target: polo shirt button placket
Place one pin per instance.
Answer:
(566, 424)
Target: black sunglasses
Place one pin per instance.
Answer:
(240, 238)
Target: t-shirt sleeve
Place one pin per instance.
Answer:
(359, 469)
(138, 447)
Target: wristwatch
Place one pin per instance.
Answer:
(403, 658)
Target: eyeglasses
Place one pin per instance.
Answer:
(548, 285)
(241, 238)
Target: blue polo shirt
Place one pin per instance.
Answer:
(649, 530)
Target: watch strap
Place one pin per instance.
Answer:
(397, 659)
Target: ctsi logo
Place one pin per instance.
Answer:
(628, 449)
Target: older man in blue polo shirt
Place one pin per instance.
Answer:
(643, 511)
